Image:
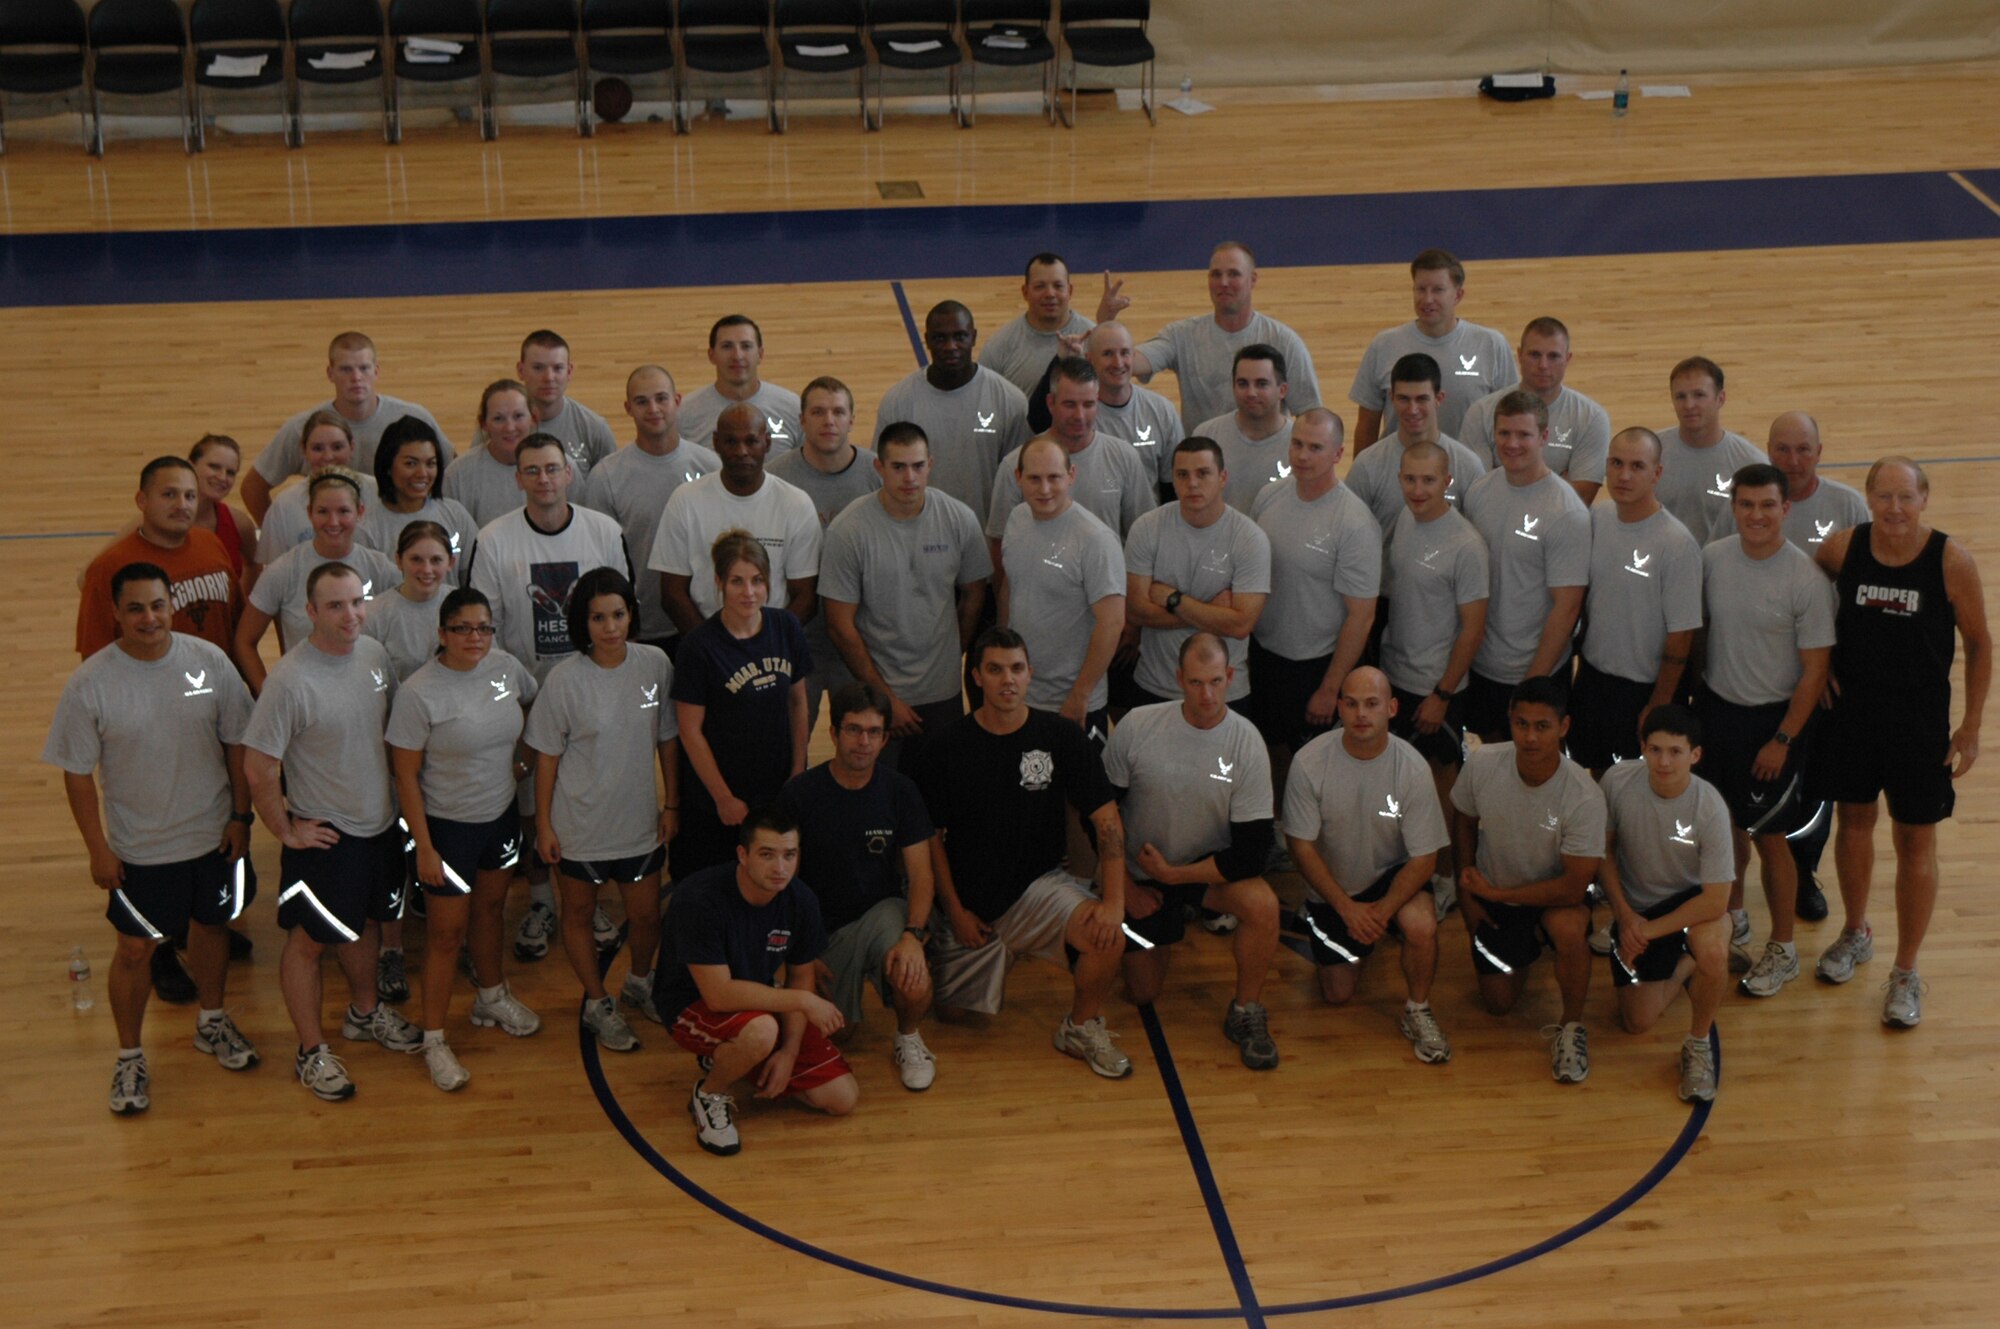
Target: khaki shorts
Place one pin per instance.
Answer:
(975, 979)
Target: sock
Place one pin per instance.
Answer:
(1895, 971)
(433, 1037)
(1791, 949)
(1696, 1040)
(492, 993)
(130, 1054)
(1414, 1005)
(543, 893)
(207, 1016)
(392, 950)
(639, 981)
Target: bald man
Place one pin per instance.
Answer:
(1139, 415)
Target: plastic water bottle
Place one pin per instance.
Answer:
(1621, 98)
(79, 980)
(1187, 87)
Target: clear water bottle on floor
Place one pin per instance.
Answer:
(1621, 97)
(79, 980)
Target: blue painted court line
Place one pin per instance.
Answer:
(885, 244)
(1204, 1175)
(57, 535)
(910, 325)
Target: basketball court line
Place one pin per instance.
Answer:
(1991, 179)
(821, 245)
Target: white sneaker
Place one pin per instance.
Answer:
(531, 942)
(323, 1073)
(130, 1080)
(384, 1025)
(1218, 924)
(604, 932)
(221, 1038)
(1774, 968)
(1837, 962)
(446, 1072)
(506, 1013)
(1905, 1004)
(1601, 942)
(638, 994)
(603, 1019)
(1091, 1043)
(714, 1122)
(1444, 893)
(1569, 1052)
(1697, 1071)
(914, 1062)
(1427, 1040)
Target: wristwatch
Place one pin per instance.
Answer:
(244, 818)
(923, 935)
(1173, 601)
(1782, 739)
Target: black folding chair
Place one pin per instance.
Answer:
(43, 44)
(1110, 34)
(237, 30)
(915, 35)
(725, 37)
(1008, 34)
(328, 38)
(808, 32)
(536, 39)
(138, 48)
(629, 38)
(453, 22)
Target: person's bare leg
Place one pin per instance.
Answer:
(444, 931)
(1854, 861)
(208, 963)
(130, 986)
(1255, 905)
(1569, 929)
(299, 978)
(1916, 887)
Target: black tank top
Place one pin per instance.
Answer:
(1894, 625)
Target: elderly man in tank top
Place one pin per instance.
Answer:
(157, 717)
(1415, 396)
(1770, 635)
(1195, 565)
(1365, 827)
(1537, 535)
(903, 580)
(1579, 429)
(320, 720)
(1326, 571)
(1640, 613)
(1902, 588)
(1194, 784)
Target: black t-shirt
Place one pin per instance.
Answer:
(745, 687)
(999, 799)
(711, 923)
(851, 840)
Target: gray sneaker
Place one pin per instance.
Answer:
(221, 1038)
(506, 1013)
(323, 1073)
(1444, 893)
(382, 1025)
(531, 942)
(129, 1082)
(604, 932)
(603, 1019)
(1601, 940)
(1569, 1052)
(1905, 1004)
(714, 1122)
(1697, 1071)
(1774, 969)
(639, 996)
(1837, 962)
(446, 1071)
(1090, 1042)
(1426, 1039)
(1739, 941)
(392, 980)
(1249, 1027)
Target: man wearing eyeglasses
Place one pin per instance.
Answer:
(863, 829)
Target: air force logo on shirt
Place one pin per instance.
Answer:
(1821, 529)
(1528, 525)
(1637, 567)
(1682, 834)
(1468, 367)
(1723, 484)
(381, 680)
(649, 698)
(777, 428)
(1038, 769)
(1145, 439)
(196, 681)
(985, 425)
(1394, 810)
(499, 686)
(1223, 768)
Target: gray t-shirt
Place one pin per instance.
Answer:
(970, 429)
(1472, 360)
(1251, 464)
(285, 454)
(632, 487)
(1579, 434)
(1695, 483)
(1150, 424)
(1365, 817)
(830, 495)
(781, 517)
(1056, 571)
(281, 591)
(1111, 481)
(1761, 613)
(607, 726)
(902, 577)
(1376, 476)
(322, 716)
(1832, 507)
(484, 485)
(1431, 568)
(1537, 540)
(1665, 845)
(466, 723)
(380, 529)
(1645, 582)
(1186, 785)
(586, 437)
(153, 731)
(407, 628)
(1230, 554)
(701, 408)
(1020, 353)
(1321, 553)
(1525, 832)
(526, 574)
(1204, 358)
(287, 524)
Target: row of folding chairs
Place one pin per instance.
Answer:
(152, 48)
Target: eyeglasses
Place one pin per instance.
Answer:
(472, 629)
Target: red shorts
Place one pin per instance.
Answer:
(701, 1030)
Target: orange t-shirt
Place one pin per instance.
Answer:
(206, 595)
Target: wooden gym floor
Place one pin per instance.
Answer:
(1845, 1174)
